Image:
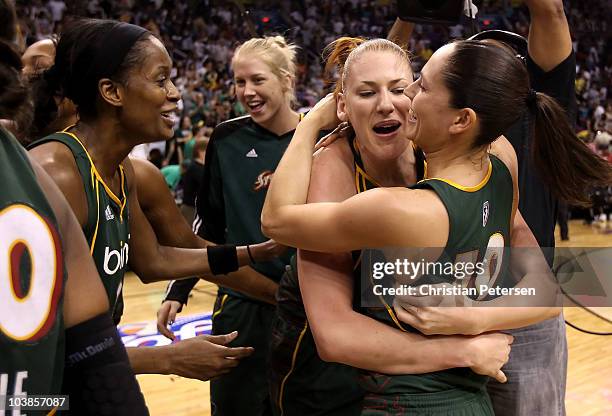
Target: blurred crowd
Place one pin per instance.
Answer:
(202, 34)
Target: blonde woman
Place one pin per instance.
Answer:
(241, 158)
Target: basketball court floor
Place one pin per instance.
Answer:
(589, 389)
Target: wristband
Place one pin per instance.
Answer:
(222, 259)
(250, 255)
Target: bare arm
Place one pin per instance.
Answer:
(202, 357)
(400, 32)
(171, 229)
(152, 261)
(549, 36)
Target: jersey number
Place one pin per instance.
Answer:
(30, 256)
(492, 263)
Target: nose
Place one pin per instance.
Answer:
(172, 93)
(385, 104)
(410, 92)
(249, 91)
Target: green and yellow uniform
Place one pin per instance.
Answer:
(480, 217)
(32, 278)
(300, 382)
(107, 226)
(240, 161)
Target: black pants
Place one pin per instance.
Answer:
(244, 391)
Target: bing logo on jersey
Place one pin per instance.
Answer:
(115, 259)
(263, 180)
(485, 213)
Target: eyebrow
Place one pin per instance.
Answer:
(161, 68)
(373, 83)
(259, 74)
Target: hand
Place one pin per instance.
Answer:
(440, 320)
(324, 114)
(166, 314)
(338, 132)
(206, 356)
(266, 251)
(488, 354)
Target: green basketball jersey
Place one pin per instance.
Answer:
(107, 227)
(479, 219)
(31, 280)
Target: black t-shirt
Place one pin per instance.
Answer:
(241, 158)
(537, 204)
(191, 182)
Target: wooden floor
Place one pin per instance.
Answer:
(589, 390)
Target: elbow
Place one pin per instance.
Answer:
(147, 273)
(270, 226)
(327, 353)
(328, 346)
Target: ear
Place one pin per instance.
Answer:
(463, 121)
(287, 83)
(341, 108)
(111, 92)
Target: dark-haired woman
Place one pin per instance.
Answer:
(453, 116)
(117, 75)
(45, 321)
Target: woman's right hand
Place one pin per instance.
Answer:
(324, 114)
(488, 353)
(267, 251)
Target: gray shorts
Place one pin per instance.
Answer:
(536, 371)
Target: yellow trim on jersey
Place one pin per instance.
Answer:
(95, 234)
(223, 300)
(465, 188)
(121, 202)
(362, 174)
(416, 149)
(10, 274)
(293, 360)
(392, 315)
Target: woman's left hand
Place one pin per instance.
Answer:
(439, 320)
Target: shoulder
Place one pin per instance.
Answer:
(504, 151)
(336, 155)
(58, 161)
(143, 168)
(148, 178)
(229, 127)
(332, 176)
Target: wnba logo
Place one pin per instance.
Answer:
(263, 180)
(485, 213)
(115, 259)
